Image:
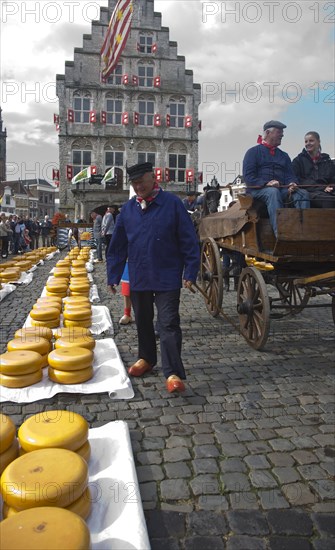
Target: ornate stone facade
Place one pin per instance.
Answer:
(146, 111)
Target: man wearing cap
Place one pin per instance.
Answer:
(156, 234)
(190, 201)
(268, 173)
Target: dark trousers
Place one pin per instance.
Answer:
(108, 239)
(322, 199)
(167, 304)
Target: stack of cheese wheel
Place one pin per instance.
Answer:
(46, 477)
(77, 312)
(51, 429)
(36, 332)
(19, 369)
(45, 315)
(57, 286)
(61, 272)
(75, 341)
(45, 528)
(9, 447)
(24, 264)
(72, 332)
(10, 275)
(53, 301)
(32, 343)
(70, 365)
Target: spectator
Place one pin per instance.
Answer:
(46, 226)
(107, 226)
(5, 232)
(97, 235)
(35, 233)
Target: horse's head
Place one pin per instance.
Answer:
(212, 200)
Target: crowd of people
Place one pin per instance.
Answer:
(19, 234)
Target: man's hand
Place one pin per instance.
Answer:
(329, 189)
(292, 187)
(272, 183)
(188, 284)
(112, 288)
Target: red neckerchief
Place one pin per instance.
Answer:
(144, 202)
(316, 158)
(261, 141)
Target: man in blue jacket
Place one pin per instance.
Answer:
(155, 233)
(268, 173)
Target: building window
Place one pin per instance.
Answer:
(146, 157)
(82, 108)
(146, 75)
(145, 43)
(146, 111)
(113, 158)
(177, 166)
(115, 78)
(7, 199)
(177, 114)
(114, 111)
(80, 159)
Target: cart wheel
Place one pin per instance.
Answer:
(211, 276)
(253, 307)
(293, 296)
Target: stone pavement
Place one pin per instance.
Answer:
(244, 459)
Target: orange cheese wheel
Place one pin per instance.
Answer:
(70, 377)
(41, 345)
(46, 477)
(52, 323)
(36, 332)
(87, 323)
(7, 432)
(8, 456)
(70, 359)
(18, 363)
(54, 428)
(79, 341)
(45, 528)
(81, 314)
(72, 332)
(20, 381)
(48, 303)
(44, 314)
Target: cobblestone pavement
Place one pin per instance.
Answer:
(244, 459)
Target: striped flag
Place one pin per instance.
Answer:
(116, 37)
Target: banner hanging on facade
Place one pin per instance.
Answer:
(116, 37)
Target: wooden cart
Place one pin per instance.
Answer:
(299, 264)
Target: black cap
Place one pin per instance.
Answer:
(192, 193)
(274, 124)
(138, 170)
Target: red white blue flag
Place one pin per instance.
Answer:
(116, 37)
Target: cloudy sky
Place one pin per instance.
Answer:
(255, 61)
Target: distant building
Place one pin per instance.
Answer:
(147, 110)
(3, 138)
(34, 198)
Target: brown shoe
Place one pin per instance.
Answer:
(139, 368)
(174, 384)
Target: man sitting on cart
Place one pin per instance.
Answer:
(268, 173)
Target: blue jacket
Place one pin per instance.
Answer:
(160, 243)
(260, 167)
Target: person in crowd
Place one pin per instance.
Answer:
(16, 228)
(97, 235)
(35, 233)
(316, 172)
(268, 174)
(5, 232)
(107, 226)
(155, 233)
(190, 201)
(46, 226)
(115, 211)
(26, 240)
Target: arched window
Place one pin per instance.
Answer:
(115, 78)
(82, 105)
(113, 153)
(146, 152)
(81, 155)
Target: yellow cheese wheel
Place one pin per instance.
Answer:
(52, 323)
(79, 341)
(70, 377)
(41, 345)
(85, 451)
(37, 332)
(63, 263)
(44, 314)
(9, 455)
(20, 381)
(72, 332)
(58, 294)
(86, 324)
(47, 477)
(81, 314)
(48, 303)
(78, 263)
(7, 432)
(53, 428)
(18, 363)
(50, 298)
(24, 265)
(45, 529)
(10, 274)
(59, 285)
(78, 306)
(70, 359)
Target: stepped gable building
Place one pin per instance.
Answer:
(3, 138)
(146, 110)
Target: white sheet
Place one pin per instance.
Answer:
(7, 288)
(110, 376)
(117, 520)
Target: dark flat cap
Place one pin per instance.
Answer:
(192, 193)
(274, 124)
(138, 170)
